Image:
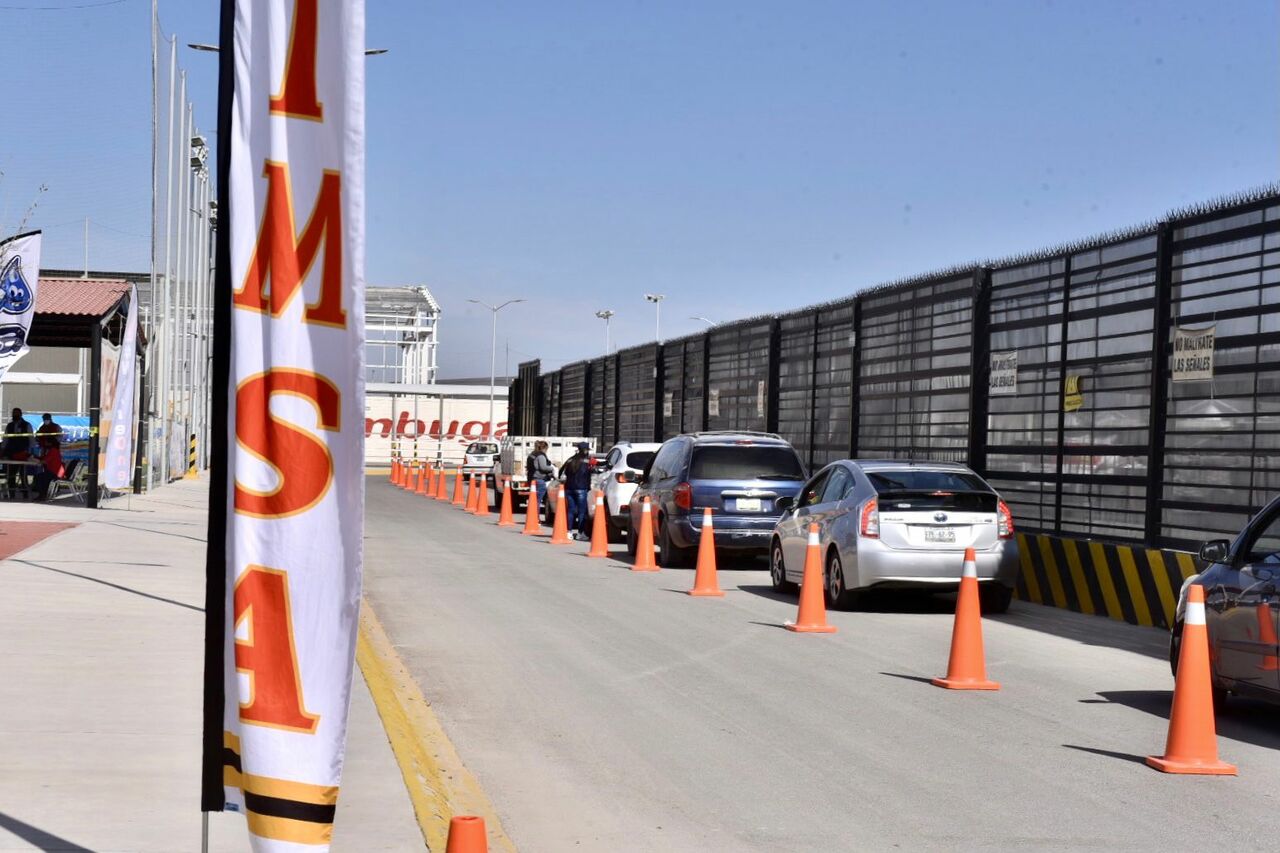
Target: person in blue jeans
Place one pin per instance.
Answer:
(576, 474)
(540, 471)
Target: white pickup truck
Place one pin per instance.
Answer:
(515, 449)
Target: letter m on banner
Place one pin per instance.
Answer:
(286, 508)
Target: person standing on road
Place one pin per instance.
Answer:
(539, 470)
(17, 447)
(576, 474)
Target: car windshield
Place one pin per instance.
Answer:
(737, 462)
(483, 447)
(638, 459)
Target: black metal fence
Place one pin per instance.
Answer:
(1086, 427)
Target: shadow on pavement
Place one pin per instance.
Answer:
(1087, 629)
(110, 584)
(770, 593)
(1124, 756)
(921, 678)
(1245, 720)
(38, 837)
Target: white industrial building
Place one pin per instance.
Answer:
(401, 326)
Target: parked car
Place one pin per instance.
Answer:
(480, 457)
(1242, 610)
(615, 476)
(897, 524)
(740, 475)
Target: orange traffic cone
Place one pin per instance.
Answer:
(1192, 745)
(442, 486)
(967, 669)
(505, 516)
(470, 505)
(458, 489)
(704, 577)
(560, 529)
(425, 480)
(395, 471)
(532, 525)
(482, 496)
(467, 835)
(644, 561)
(812, 616)
(408, 473)
(1267, 636)
(599, 530)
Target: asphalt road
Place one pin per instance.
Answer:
(604, 710)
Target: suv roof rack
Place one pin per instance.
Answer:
(756, 433)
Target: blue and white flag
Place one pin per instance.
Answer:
(19, 277)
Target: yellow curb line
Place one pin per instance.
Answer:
(440, 786)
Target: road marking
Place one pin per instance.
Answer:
(440, 786)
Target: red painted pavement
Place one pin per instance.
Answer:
(18, 536)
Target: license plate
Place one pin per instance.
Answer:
(747, 504)
(945, 534)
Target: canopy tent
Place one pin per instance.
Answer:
(82, 313)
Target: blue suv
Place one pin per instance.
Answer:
(740, 475)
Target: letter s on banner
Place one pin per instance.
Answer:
(303, 465)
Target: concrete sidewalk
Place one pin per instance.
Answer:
(102, 627)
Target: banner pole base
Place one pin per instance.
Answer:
(204, 832)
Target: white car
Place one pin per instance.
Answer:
(480, 457)
(625, 457)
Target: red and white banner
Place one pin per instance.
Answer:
(290, 336)
(118, 393)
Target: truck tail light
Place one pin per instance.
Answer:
(684, 496)
(869, 526)
(1004, 524)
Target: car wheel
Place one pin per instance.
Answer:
(632, 547)
(839, 596)
(613, 530)
(995, 598)
(669, 556)
(778, 569)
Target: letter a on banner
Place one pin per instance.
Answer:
(286, 506)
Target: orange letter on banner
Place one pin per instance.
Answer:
(301, 462)
(297, 96)
(268, 657)
(287, 259)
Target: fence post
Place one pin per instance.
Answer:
(659, 389)
(813, 389)
(854, 389)
(1062, 389)
(1163, 322)
(706, 381)
(979, 370)
(771, 395)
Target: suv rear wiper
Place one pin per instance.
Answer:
(778, 477)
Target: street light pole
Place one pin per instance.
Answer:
(605, 315)
(709, 323)
(656, 299)
(493, 351)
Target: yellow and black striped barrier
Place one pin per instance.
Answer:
(191, 458)
(1132, 584)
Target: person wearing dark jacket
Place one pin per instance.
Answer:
(576, 474)
(17, 446)
(539, 470)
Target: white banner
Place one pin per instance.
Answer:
(19, 278)
(117, 406)
(1004, 373)
(295, 495)
(1193, 353)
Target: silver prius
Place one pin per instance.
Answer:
(897, 524)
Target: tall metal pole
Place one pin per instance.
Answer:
(166, 341)
(493, 367)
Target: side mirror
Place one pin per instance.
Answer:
(1215, 551)
(785, 502)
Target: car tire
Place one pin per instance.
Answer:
(778, 569)
(670, 556)
(839, 596)
(613, 530)
(994, 598)
(632, 546)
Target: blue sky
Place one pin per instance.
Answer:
(739, 156)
